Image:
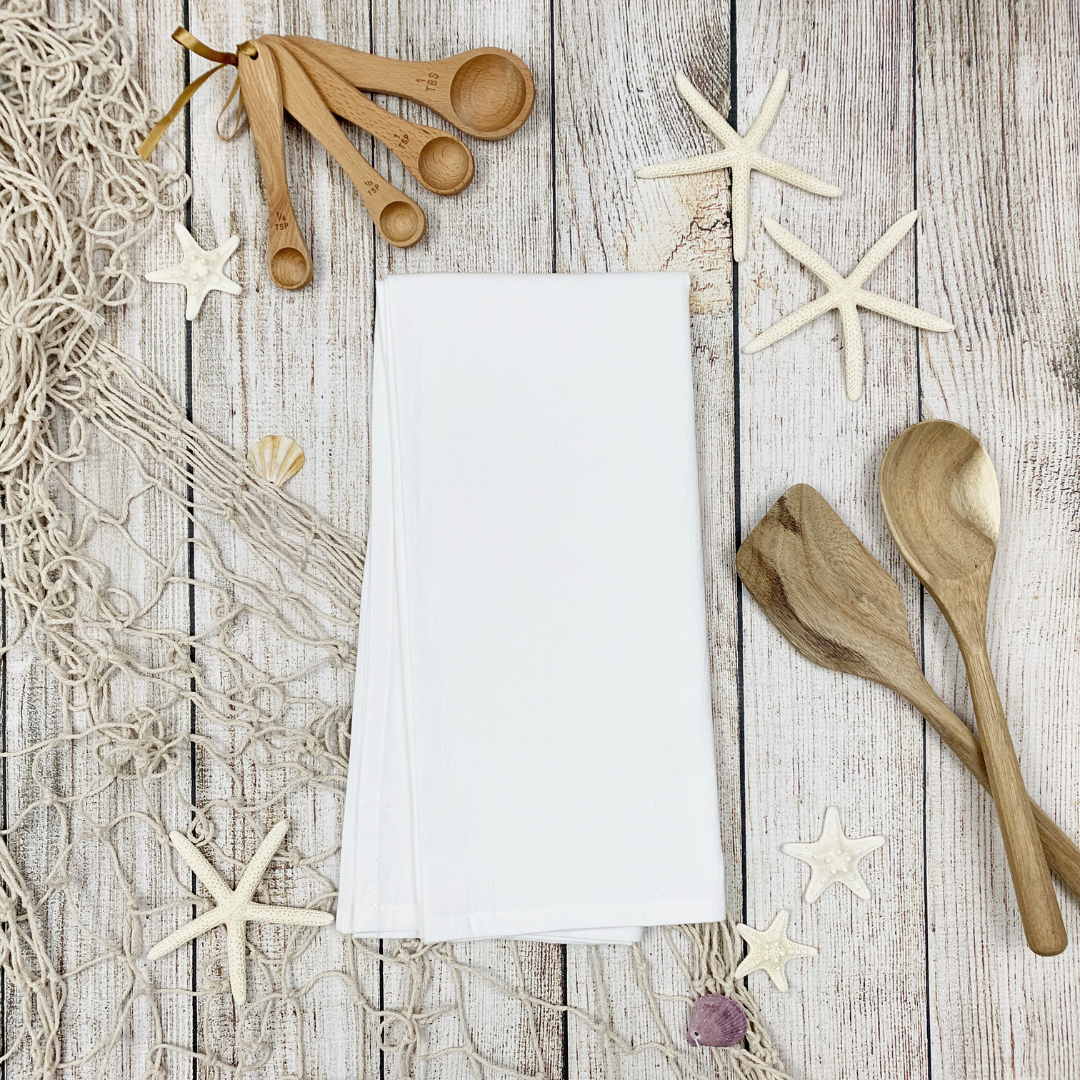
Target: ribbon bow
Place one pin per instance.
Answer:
(220, 60)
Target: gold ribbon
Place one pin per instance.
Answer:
(220, 60)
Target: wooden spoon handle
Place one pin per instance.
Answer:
(401, 137)
(1030, 874)
(287, 255)
(396, 216)
(1061, 853)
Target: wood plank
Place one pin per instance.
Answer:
(616, 109)
(501, 222)
(815, 738)
(94, 914)
(1001, 188)
(273, 362)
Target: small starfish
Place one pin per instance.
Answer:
(770, 950)
(199, 271)
(740, 155)
(235, 907)
(848, 295)
(834, 857)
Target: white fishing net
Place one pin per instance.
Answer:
(178, 654)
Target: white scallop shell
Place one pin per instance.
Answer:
(276, 458)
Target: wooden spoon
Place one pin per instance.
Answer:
(396, 216)
(840, 608)
(287, 255)
(942, 506)
(488, 93)
(439, 160)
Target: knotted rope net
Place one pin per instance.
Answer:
(178, 654)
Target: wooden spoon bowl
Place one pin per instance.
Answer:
(942, 504)
(489, 92)
(445, 165)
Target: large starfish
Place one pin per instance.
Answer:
(235, 907)
(834, 857)
(741, 155)
(770, 950)
(848, 295)
(199, 271)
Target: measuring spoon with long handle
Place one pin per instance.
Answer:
(396, 216)
(488, 92)
(438, 160)
(287, 256)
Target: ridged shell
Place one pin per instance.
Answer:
(276, 458)
(716, 1020)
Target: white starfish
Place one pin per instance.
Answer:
(834, 857)
(199, 271)
(235, 907)
(740, 155)
(848, 295)
(770, 950)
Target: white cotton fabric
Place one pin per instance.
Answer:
(532, 748)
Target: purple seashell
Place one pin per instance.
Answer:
(716, 1020)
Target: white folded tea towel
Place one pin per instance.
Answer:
(532, 751)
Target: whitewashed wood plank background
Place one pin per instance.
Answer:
(966, 110)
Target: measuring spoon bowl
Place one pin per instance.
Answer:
(485, 92)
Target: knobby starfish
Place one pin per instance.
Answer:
(834, 857)
(848, 295)
(741, 155)
(770, 950)
(199, 271)
(235, 907)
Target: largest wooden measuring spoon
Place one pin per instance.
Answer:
(488, 93)
(940, 495)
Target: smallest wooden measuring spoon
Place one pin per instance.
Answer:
(287, 255)
(438, 160)
(488, 93)
(397, 217)
(942, 506)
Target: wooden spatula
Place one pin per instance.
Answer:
(839, 607)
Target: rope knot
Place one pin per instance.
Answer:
(220, 60)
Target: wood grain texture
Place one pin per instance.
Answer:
(816, 738)
(1000, 188)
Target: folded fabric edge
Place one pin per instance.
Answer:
(582, 918)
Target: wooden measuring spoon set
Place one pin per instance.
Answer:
(840, 608)
(487, 93)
